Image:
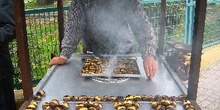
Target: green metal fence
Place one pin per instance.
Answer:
(42, 33)
(42, 39)
(211, 34)
(212, 27)
(174, 19)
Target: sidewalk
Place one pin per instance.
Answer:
(209, 88)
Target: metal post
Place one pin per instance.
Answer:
(189, 19)
(23, 54)
(60, 21)
(199, 25)
(162, 27)
(186, 23)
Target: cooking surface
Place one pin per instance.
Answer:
(67, 80)
(113, 66)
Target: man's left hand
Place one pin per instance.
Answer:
(150, 65)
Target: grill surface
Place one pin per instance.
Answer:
(110, 66)
(67, 80)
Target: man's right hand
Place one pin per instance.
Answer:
(57, 61)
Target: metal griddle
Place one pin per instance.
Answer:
(108, 58)
(67, 80)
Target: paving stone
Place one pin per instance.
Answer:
(211, 99)
(215, 80)
(217, 75)
(217, 87)
(204, 103)
(218, 101)
(201, 85)
(200, 92)
(216, 68)
(215, 104)
(203, 91)
(209, 86)
(214, 96)
(212, 106)
(218, 106)
(208, 73)
(202, 97)
(208, 96)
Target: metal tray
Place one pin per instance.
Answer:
(110, 64)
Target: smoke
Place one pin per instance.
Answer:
(110, 22)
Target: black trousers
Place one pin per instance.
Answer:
(7, 100)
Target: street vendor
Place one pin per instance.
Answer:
(109, 27)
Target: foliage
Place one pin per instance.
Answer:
(174, 19)
(33, 4)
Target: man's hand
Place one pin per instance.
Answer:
(57, 61)
(150, 65)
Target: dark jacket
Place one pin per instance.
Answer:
(7, 34)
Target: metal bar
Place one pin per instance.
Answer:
(190, 2)
(66, 8)
(189, 21)
(49, 21)
(21, 37)
(196, 48)
(60, 21)
(162, 26)
(156, 1)
(24, 105)
(40, 10)
(214, 1)
(211, 44)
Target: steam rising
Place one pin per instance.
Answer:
(110, 22)
(109, 19)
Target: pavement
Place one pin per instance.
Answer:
(208, 95)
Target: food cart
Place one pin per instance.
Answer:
(64, 80)
(68, 80)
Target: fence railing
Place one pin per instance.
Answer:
(211, 34)
(212, 27)
(42, 35)
(42, 32)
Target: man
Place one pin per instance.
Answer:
(7, 34)
(109, 27)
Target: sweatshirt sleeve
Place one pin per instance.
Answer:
(74, 29)
(7, 25)
(142, 29)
